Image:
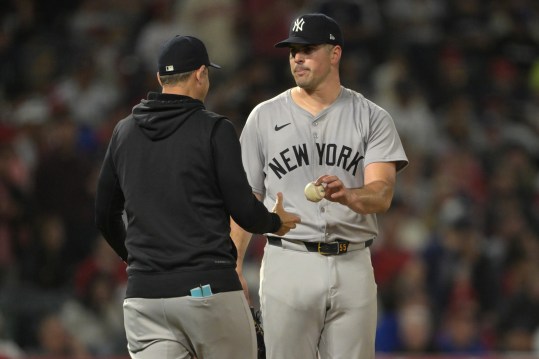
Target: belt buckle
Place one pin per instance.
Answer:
(320, 249)
(340, 247)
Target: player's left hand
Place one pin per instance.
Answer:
(335, 190)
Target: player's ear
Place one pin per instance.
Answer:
(336, 53)
(159, 79)
(200, 73)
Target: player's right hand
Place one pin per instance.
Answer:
(288, 220)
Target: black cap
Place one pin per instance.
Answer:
(183, 54)
(313, 29)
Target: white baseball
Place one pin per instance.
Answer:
(313, 192)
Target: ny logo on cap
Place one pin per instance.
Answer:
(169, 68)
(298, 25)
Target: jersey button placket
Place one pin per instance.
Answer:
(315, 137)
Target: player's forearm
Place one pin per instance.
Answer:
(241, 239)
(374, 197)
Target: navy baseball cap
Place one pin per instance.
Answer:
(183, 54)
(313, 29)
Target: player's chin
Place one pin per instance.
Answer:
(300, 77)
(303, 83)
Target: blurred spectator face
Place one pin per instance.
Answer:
(415, 328)
(62, 136)
(518, 340)
(101, 291)
(462, 328)
(55, 341)
(53, 338)
(53, 233)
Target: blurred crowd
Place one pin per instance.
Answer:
(457, 258)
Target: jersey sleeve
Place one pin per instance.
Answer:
(383, 141)
(252, 154)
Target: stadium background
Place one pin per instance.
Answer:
(457, 259)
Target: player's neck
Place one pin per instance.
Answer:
(317, 100)
(187, 88)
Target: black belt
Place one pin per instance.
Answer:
(335, 248)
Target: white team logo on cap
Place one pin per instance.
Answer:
(331, 37)
(169, 68)
(298, 25)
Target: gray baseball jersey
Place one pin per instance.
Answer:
(284, 147)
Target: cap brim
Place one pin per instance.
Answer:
(295, 40)
(214, 65)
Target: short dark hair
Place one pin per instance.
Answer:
(175, 78)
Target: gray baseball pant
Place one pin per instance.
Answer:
(316, 306)
(215, 327)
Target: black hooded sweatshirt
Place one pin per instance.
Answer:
(175, 169)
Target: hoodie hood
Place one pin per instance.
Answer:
(161, 115)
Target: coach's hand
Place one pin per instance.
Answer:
(288, 220)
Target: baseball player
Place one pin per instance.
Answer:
(317, 290)
(176, 170)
